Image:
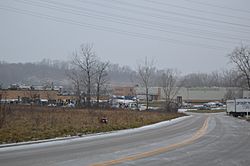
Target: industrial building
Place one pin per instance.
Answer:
(195, 95)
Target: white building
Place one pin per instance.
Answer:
(198, 94)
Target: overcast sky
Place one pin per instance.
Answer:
(188, 35)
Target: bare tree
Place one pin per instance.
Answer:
(231, 78)
(85, 61)
(241, 58)
(214, 79)
(145, 73)
(195, 80)
(168, 82)
(229, 95)
(75, 76)
(120, 74)
(101, 78)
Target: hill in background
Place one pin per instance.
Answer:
(48, 71)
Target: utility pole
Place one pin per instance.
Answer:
(235, 105)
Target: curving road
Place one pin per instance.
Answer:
(201, 139)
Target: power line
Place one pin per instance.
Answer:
(180, 14)
(119, 17)
(195, 10)
(108, 29)
(219, 6)
(134, 24)
(163, 17)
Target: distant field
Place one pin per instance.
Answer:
(207, 111)
(25, 123)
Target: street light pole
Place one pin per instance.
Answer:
(247, 113)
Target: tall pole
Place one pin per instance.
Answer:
(235, 105)
(247, 113)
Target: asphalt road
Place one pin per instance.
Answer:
(202, 139)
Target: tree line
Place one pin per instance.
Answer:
(90, 76)
(91, 73)
(42, 72)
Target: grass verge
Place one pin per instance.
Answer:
(26, 123)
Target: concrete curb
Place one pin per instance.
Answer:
(55, 139)
(37, 142)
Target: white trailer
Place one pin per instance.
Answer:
(238, 107)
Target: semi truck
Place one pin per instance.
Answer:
(238, 107)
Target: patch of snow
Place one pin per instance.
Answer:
(182, 110)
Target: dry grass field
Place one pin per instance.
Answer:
(25, 123)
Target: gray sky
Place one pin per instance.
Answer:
(189, 35)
